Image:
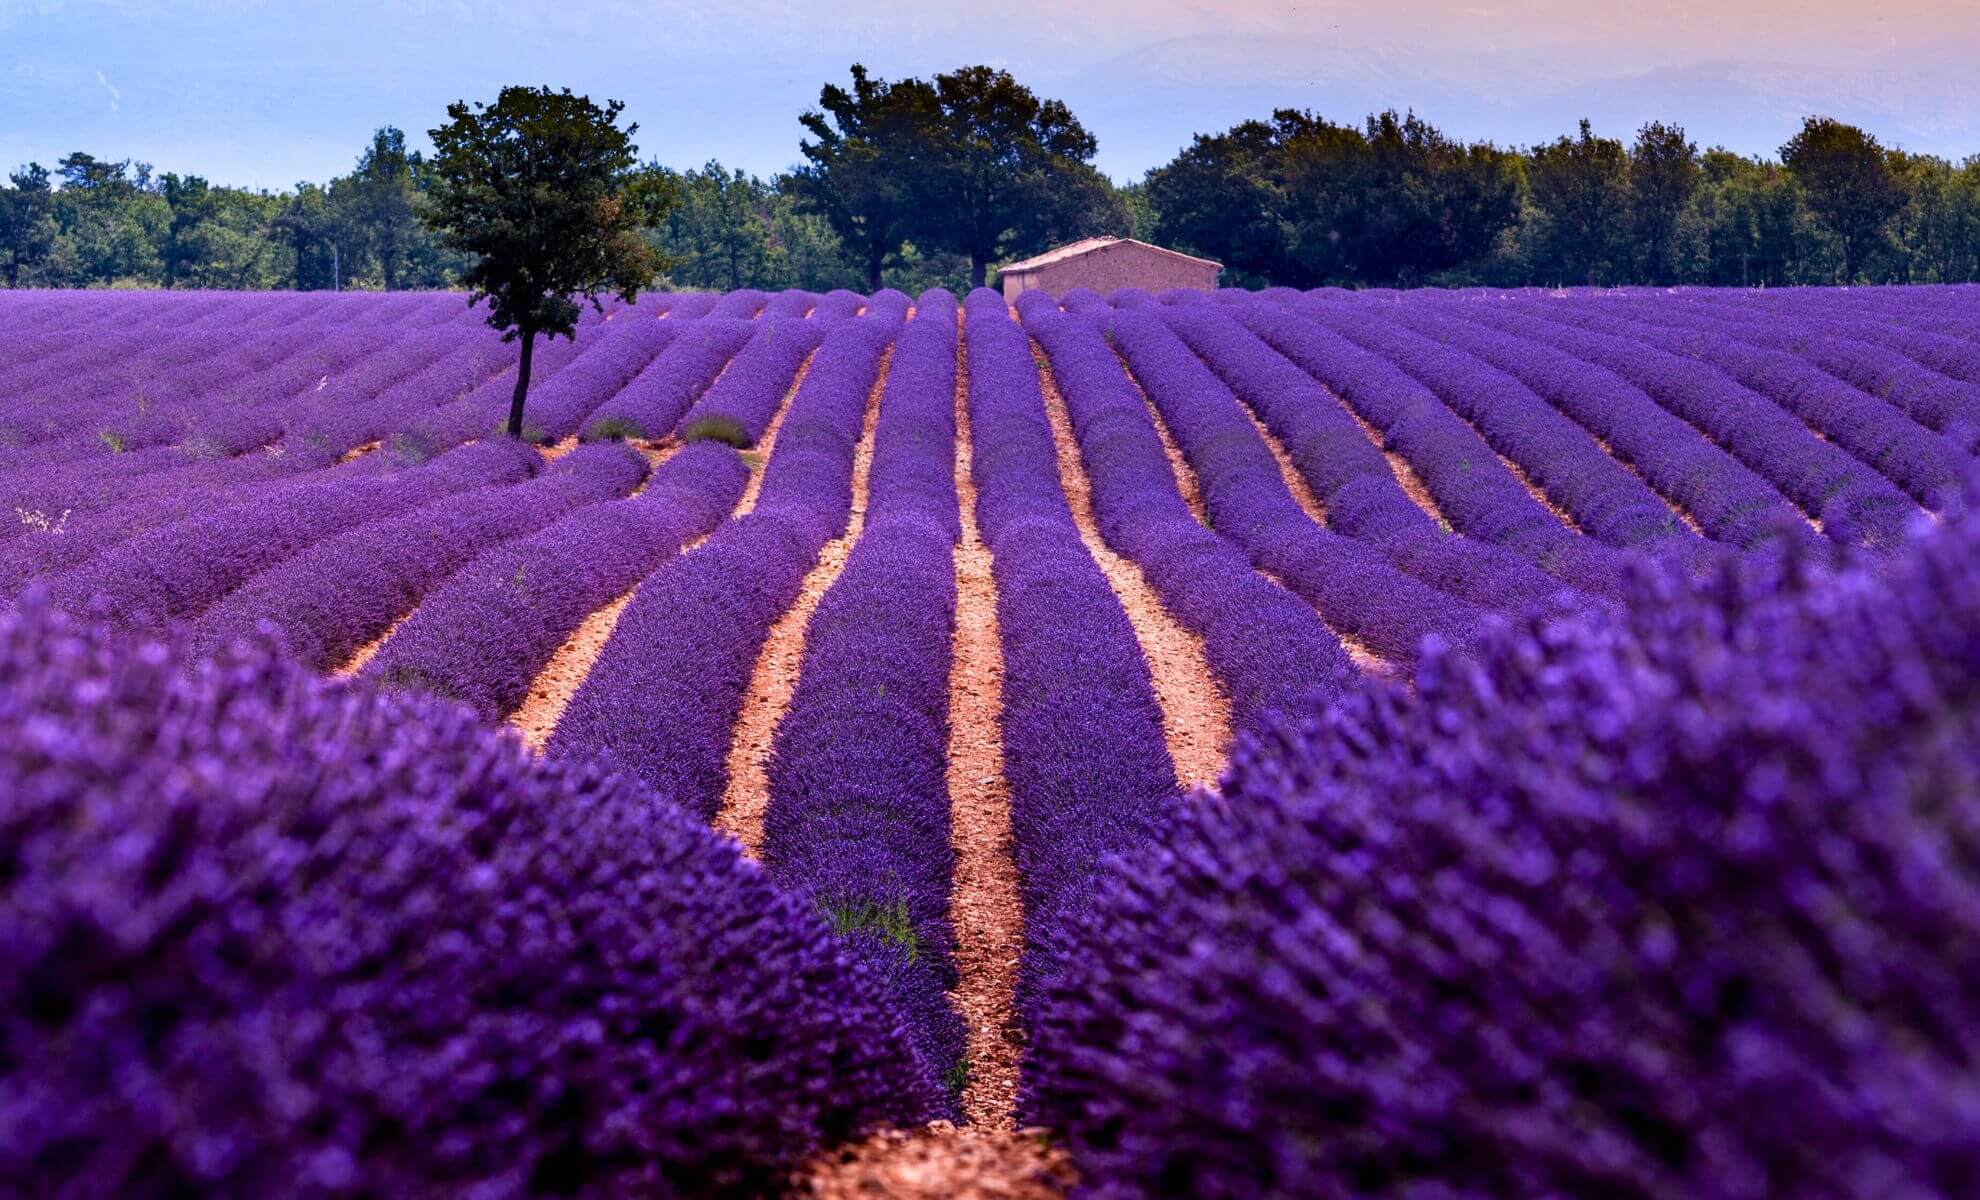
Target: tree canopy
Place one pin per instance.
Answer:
(971, 163)
(539, 187)
(1843, 172)
(920, 182)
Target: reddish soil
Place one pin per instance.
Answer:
(759, 454)
(356, 452)
(989, 1157)
(746, 797)
(551, 691)
(1405, 475)
(942, 1162)
(1690, 522)
(1358, 651)
(1192, 493)
(366, 652)
(985, 909)
(1196, 715)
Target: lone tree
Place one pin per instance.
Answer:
(540, 187)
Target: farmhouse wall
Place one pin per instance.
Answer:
(1123, 264)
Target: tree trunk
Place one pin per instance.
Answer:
(522, 383)
(876, 258)
(979, 271)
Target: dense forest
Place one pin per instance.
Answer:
(915, 183)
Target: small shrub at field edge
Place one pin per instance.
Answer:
(615, 429)
(726, 430)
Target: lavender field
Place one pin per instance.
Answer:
(1410, 744)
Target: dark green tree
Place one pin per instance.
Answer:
(383, 201)
(1848, 184)
(312, 226)
(1663, 177)
(1753, 222)
(1009, 173)
(718, 234)
(194, 207)
(868, 150)
(540, 188)
(1415, 203)
(1302, 200)
(1581, 187)
(27, 221)
(1938, 230)
(111, 217)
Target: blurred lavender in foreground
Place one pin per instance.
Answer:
(260, 936)
(1678, 904)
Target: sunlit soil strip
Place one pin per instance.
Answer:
(556, 450)
(367, 652)
(1514, 469)
(1192, 494)
(1678, 510)
(357, 452)
(573, 650)
(1358, 651)
(942, 1162)
(746, 795)
(551, 691)
(759, 455)
(1195, 714)
(986, 909)
(1405, 475)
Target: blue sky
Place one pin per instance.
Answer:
(265, 92)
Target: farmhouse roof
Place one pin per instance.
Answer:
(1089, 245)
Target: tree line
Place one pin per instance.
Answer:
(1301, 201)
(914, 182)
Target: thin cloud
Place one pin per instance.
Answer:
(115, 95)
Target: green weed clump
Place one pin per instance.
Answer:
(726, 430)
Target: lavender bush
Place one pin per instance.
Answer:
(1682, 904)
(482, 636)
(267, 937)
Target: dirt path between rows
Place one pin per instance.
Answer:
(1405, 475)
(986, 910)
(551, 691)
(942, 1162)
(365, 653)
(1358, 651)
(746, 796)
(1196, 714)
(988, 1158)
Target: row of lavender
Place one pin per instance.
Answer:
(135, 427)
(1586, 911)
(1084, 747)
(740, 1034)
(1738, 414)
